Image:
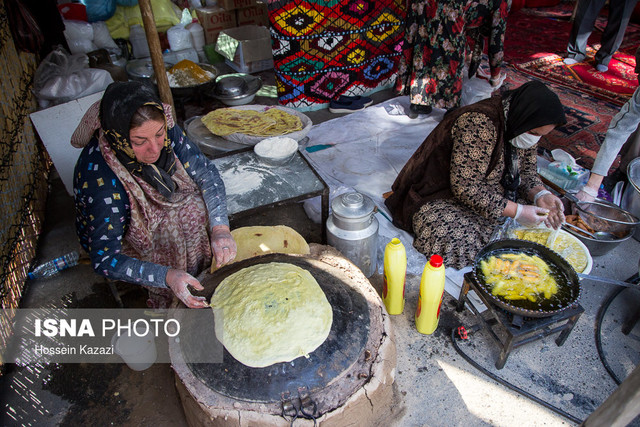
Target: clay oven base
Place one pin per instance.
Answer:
(365, 405)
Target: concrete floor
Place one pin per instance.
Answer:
(434, 386)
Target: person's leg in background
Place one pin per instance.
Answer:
(619, 15)
(586, 13)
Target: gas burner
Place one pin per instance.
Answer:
(519, 330)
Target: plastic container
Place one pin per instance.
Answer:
(197, 36)
(137, 350)
(138, 40)
(431, 294)
(395, 270)
(565, 175)
(54, 266)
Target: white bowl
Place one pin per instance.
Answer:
(276, 151)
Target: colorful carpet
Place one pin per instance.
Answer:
(540, 55)
(530, 37)
(325, 48)
(615, 86)
(588, 118)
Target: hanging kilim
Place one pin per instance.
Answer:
(323, 49)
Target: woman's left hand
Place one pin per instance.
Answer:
(556, 210)
(222, 244)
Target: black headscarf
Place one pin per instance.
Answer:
(119, 103)
(530, 106)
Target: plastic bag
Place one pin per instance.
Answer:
(102, 38)
(79, 36)
(474, 90)
(99, 10)
(165, 13)
(62, 77)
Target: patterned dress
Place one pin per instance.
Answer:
(432, 62)
(458, 227)
(129, 230)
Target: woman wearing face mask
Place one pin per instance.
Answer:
(476, 167)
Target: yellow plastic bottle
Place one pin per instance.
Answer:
(431, 294)
(395, 269)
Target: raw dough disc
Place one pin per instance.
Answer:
(270, 313)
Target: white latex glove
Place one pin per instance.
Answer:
(179, 281)
(554, 205)
(530, 216)
(587, 194)
(222, 244)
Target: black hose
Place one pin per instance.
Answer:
(598, 331)
(509, 385)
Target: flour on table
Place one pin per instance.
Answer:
(241, 179)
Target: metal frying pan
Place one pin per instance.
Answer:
(568, 283)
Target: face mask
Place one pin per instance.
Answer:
(525, 140)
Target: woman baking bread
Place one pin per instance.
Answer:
(150, 207)
(477, 166)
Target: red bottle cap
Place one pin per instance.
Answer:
(436, 261)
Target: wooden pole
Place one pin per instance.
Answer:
(156, 53)
(621, 407)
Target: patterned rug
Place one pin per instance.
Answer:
(325, 48)
(588, 118)
(615, 86)
(540, 54)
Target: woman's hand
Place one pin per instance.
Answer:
(590, 191)
(179, 281)
(530, 216)
(555, 208)
(222, 244)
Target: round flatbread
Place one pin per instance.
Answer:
(271, 313)
(272, 122)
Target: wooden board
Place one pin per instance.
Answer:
(55, 125)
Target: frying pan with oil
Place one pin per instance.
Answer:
(568, 282)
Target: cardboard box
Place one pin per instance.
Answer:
(214, 20)
(254, 15)
(235, 4)
(246, 49)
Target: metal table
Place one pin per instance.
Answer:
(252, 185)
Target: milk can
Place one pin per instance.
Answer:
(353, 229)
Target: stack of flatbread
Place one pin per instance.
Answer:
(272, 122)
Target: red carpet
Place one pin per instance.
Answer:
(540, 53)
(616, 85)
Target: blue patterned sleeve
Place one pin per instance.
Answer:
(102, 218)
(204, 174)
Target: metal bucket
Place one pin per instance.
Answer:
(631, 196)
(353, 229)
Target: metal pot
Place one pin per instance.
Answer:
(353, 229)
(568, 282)
(631, 196)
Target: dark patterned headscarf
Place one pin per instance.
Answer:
(119, 103)
(528, 107)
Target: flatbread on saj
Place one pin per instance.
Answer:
(271, 313)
